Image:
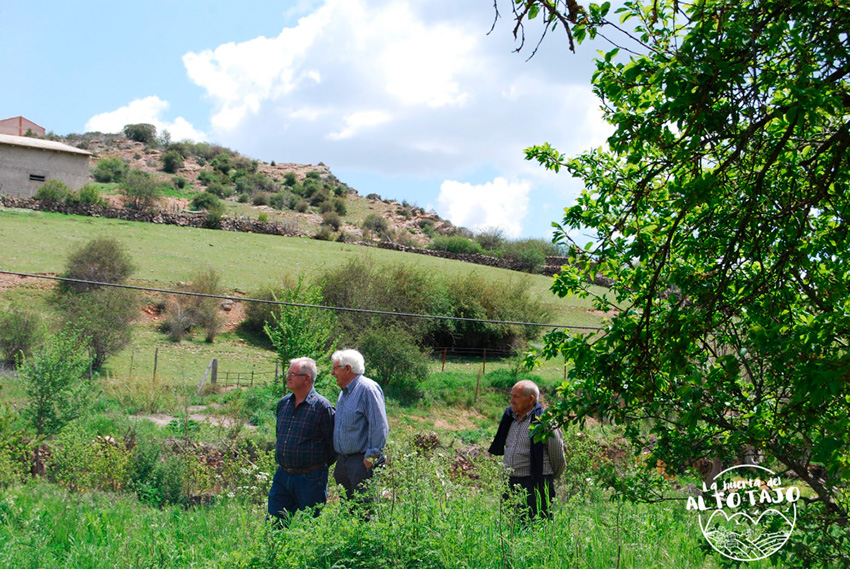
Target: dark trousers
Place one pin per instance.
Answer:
(352, 474)
(538, 495)
(292, 492)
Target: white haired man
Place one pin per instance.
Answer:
(304, 448)
(360, 428)
(532, 466)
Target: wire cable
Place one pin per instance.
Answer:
(298, 304)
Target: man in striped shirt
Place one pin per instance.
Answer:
(304, 448)
(361, 427)
(532, 466)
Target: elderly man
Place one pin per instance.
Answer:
(532, 466)
(304, 449)
(361, 426)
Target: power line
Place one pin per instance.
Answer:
(298, 304)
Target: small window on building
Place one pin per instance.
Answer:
(36, 178)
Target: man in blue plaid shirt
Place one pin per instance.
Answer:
(304, 448)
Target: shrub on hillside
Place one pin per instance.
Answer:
(395, 360)
(529, 254)
(104, 314)
(362, 284)
(290, 179)
(52, 192)
(110, 170)
(140, 190)
(172, 161)
(331, 219)
(220, 189)
(20, 333)
(375, 223)
(103, 259)
(141, 132)
(186, 312)
(88, 195)
(206, 201)
(455, 244)
(282, 200)
(491, 239)
(324, 233)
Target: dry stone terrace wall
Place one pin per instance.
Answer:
(192, 219)
(185, 219)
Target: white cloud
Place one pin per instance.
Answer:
(499, 203)
(147, 110)
(404, 88)
(358, 121)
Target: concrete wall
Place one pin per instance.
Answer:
(19, 126)
(24, 167)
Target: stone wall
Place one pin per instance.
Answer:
(184, 219)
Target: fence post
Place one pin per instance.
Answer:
(214, 378)
(155, 361)
(204, 379)
(484, 363)
(444, 359)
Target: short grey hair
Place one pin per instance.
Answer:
(351, 358)
(306, 366)
(529, 388)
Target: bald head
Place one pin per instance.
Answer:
(524, 395)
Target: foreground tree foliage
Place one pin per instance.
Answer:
(55, 381)
(720, 208)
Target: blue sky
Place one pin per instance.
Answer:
(410, 99)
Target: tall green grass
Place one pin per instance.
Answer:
(430, 514)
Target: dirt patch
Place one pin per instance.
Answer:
(12, 281)
(195, 414)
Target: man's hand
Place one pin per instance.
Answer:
(368, 461)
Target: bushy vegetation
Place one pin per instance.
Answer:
(184, 313)
(110, 169)
(141, 191)
(55, 381)
(141, 132)
(104, 314)
(172, 161)
(52, 192)
(20, 333)
(455, 244)
(298, 331)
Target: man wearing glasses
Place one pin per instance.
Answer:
(361, 426)
(304, 448)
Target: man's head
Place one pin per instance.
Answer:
(301, 376)
(347, 364)
(523, 397)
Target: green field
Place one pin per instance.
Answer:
(155, 498)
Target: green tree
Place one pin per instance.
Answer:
(104, 314)
(141, 132)
(720, 208)
(300, 331)
(55, 381)
(102, 260)
(140, 190)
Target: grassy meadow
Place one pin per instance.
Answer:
(155, 475)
